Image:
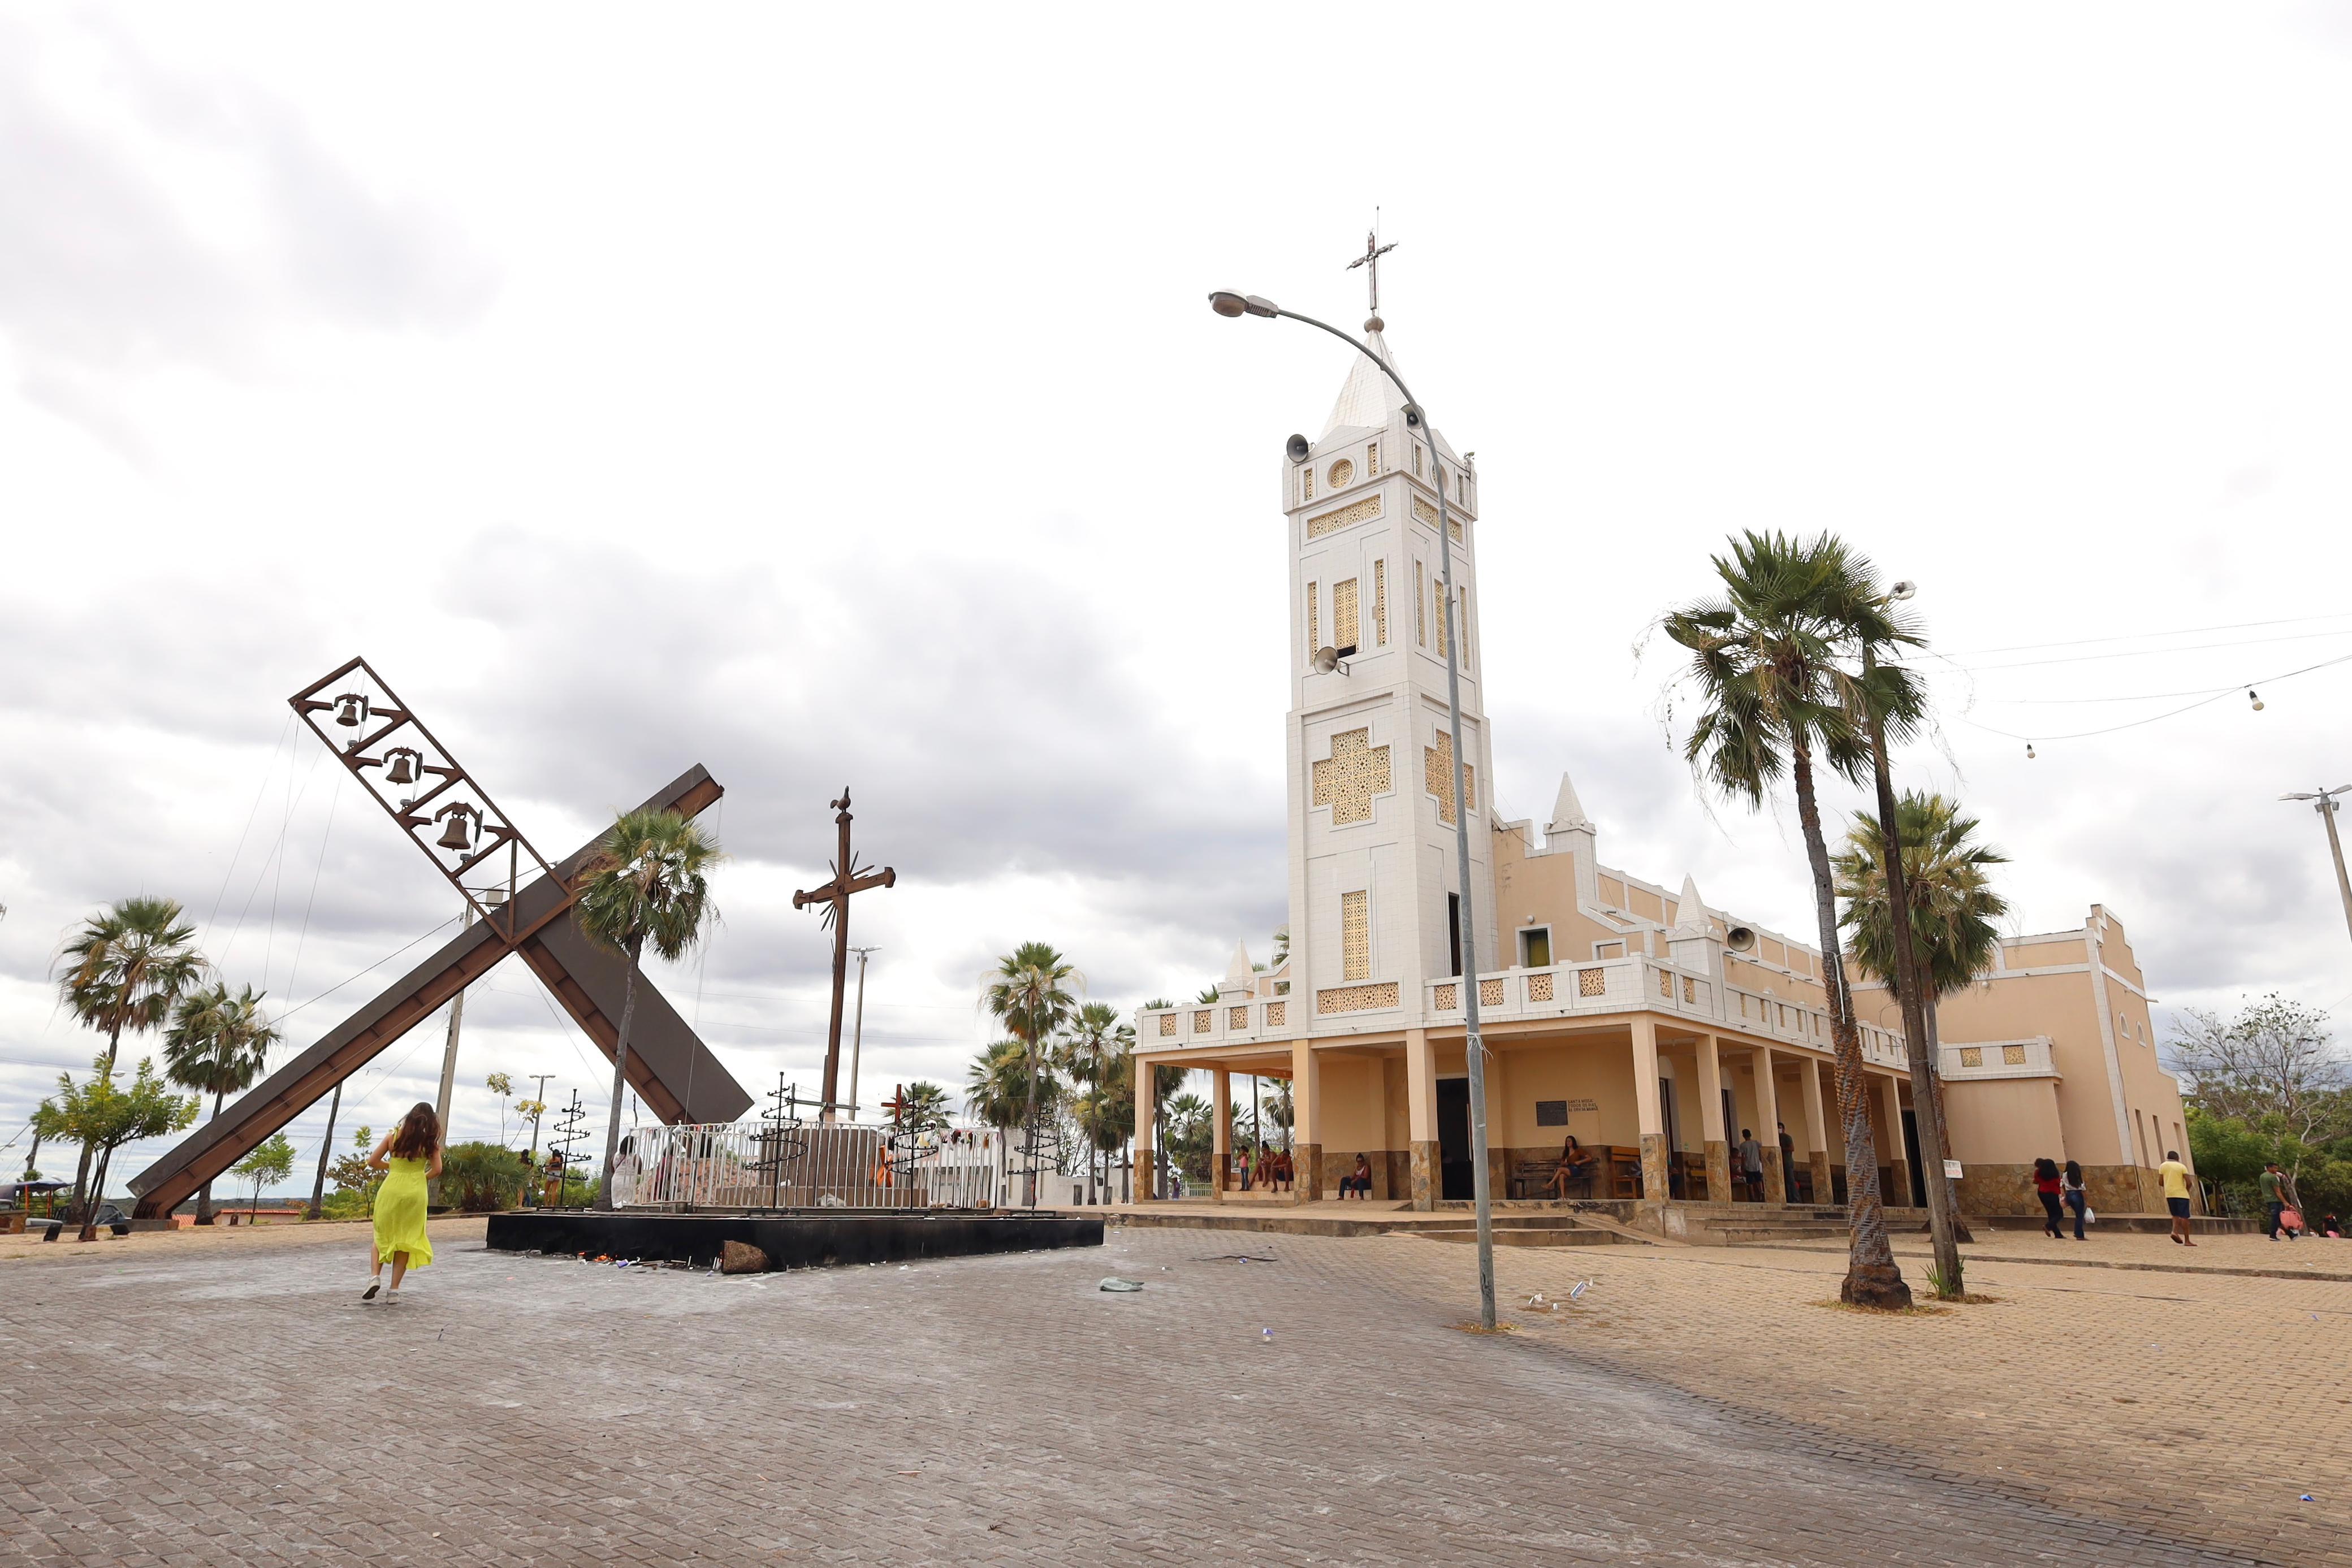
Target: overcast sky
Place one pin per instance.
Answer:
(828, 395)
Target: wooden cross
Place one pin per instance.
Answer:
(898, 1105)
(834, 896)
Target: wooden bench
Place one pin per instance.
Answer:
(1532, 1179)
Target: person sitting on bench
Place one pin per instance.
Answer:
(1360, 1181)
(1575, 1166)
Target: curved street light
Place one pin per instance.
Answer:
(1227, 303)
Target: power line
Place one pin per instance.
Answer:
(2157, 718)
(2129, 636)
(2134, 652)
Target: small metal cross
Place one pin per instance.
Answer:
(1373, 251)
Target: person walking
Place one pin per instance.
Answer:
(2071, 1190)
(1752, 1165)
(2047, 1184)
(410, 1156)
(1788, 1162)
(2176, 1195)
(2274, 1196)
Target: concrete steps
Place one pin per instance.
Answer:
(1553, 1235)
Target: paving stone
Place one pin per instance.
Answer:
(229, 1405)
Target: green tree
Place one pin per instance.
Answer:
(123, 970)
(648, 883)
(217, 1045)
(102, 1115)
(1947, 883)
(355, 1185)
(1001, 1089)
(1774, 703)
(502, 1085)
(273, 1161)
(1030, 992)
(926, 1107)
(1090, 1052)
(480, 1177)
(1191, 1142)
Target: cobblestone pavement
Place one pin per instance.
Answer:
(223, 1405)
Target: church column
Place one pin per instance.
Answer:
(1421, 1117)
(1306, 1122)
(1891, 1147)
(1647, 1109)
(1221, 1132)
(1716, 1140)
(1816, 1133)
(1146, 1185)
(1767, 1126)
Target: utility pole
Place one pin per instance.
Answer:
(449, 1050)
(857, 1029)
(537, 1098)
(2324, 802)
(326, 1151)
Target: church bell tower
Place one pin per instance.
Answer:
(1371, 749)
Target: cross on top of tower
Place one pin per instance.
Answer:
(1370, 261)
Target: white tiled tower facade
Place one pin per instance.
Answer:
(1372, 859)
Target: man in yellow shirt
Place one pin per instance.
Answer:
(2176, 1194)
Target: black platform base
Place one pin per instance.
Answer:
(797, 1240)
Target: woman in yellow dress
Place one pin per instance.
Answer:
(410, 1155)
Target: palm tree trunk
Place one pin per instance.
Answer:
(1872, 1279)
(204, 1193)
(326, 1151)
(81, 1170)
(1936, 1088)
(620, 1074)
(90, 1212)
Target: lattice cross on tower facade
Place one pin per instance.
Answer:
(1437, 776)
(1348, 778)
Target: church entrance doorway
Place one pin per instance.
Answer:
(1453, 1138)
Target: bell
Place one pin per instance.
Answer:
(456, 833)
(399, 768)
(351, 710)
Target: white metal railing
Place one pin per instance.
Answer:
(818, 1164)
(1601, 985)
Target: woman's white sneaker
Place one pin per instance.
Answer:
(373, 1286)
(392, 1297)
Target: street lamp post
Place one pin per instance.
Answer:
(2324, 802)
(1228, 304)
(1909, 987)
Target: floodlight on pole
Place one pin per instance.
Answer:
(1226, 303)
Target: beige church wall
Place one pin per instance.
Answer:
(2003, 1120)
(1351, 1115)
(1570, 1071)
(2043, 953)
(1543, 886)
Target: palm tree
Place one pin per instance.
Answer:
(926, 1107)
(1005, 1088)
(129, 962)
(217, 1045)
(1948, 885)
(1096, 1052)
(1029, 992)
(648, 883)
(1774, 703)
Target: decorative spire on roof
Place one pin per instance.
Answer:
(1238, 972)
(1567, 811)
(1690, 911)
(1369, 400)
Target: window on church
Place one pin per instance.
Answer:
(1462, 619)
(1380, 602)
(1534, 947)
(1437, 591)
(1344, 597)
(1372, 459)
(1307, 484)
(1420, 620)
(1355, 937)
(1416, 462)
(1314, 621)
